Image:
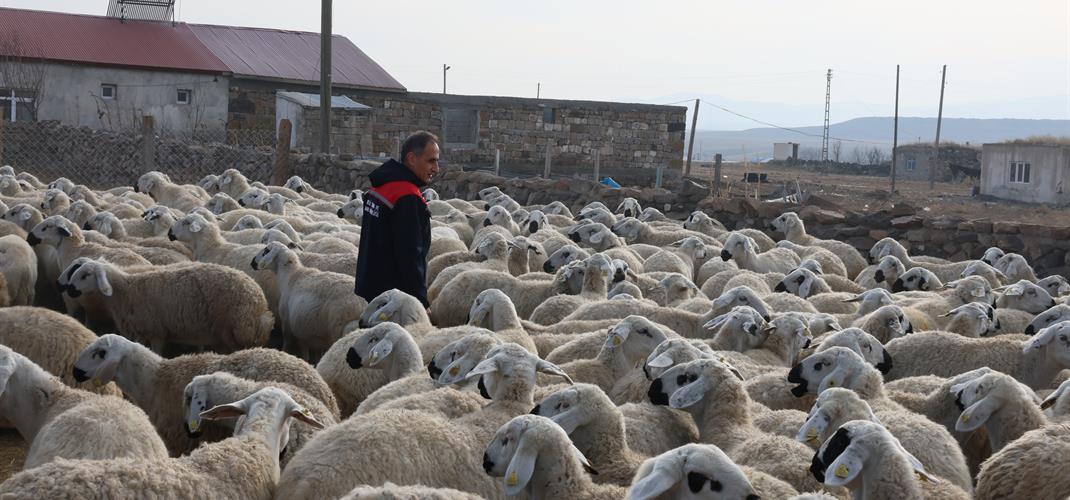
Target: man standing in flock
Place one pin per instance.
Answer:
(395, 233)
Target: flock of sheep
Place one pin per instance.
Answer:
(591, 354)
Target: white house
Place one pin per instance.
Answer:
(1029, 171)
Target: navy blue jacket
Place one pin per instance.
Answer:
(395, 234)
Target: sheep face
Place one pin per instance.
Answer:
(104, 223)
(487, 194)
(53, 199)
(509, 369)
(253, 198)
(295, 184)
(832, 409)
(100, 359)
(785, 223)
(686, 386)
(737, 244)
(561, 257)
(687, 472)
(374, 347)
(979, 268)
(503, 201)
(150, 183)
(353, 209)
(671, 353)
(9, 185)
(888, 322)
(792, 331)
(269, 404)
(274, 235)
(573, 407)
(888, 269)
(88, 276)
(1055, 341)
(740, 296)
(392, 305)
(810, 265)
(799, 282)
(635, 337)
(857, 449)
(63, 184)
(600, 215)
(1025, 296)
(430, 194)
(454, 361)
(273, 257)
(1056, 285)
(594, 234)
(80, 212)
(209, 183)
(22, 215)
(677, 287)
(992, 255)
(621, 271)
(917, 278)
(515, 450)
(884, 248)
(535, 221)
(1047, 318)
(833, 367)
(1015, 267)
(483, 307)
(630, 229)
(189, 228)
(863, 344)
(51, 231)
(629, 208)
(984, 397)
(556, 208)
(972, 289)
(692, 247)
(219, 203)
(519, 215)
(497, 216)
(742, 324)
(974, 320)
(651, 214)
(248, 222)
(695, 220)
(276, 203)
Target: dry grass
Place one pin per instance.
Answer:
(12, 453)
(1042, 140)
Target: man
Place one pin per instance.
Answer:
(395, 234)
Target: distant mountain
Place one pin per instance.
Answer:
(871, 132)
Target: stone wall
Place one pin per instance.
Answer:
(102, 159)
(350, 130)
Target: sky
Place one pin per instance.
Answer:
(766, 59)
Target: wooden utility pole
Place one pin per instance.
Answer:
(691, 143)
(148, 143)
(895, 128)
(717, 174)
(538, 90)
(325, 77)
(282, 154)
(498, 162)
(546, 167)
(597, 163)
(939, 118)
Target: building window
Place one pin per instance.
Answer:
(16, 105)
(548, 115)
(462, 126)
(1020, 172)
(185, 96)
(911, 163)
(108, 91)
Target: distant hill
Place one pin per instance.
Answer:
(872, 131)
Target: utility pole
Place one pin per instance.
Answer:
(825, 135)
(939, 118)
(538, 90)
(895, 128)
(691, 143)
(325, 78)
(444, 68)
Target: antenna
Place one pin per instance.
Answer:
(825, 135)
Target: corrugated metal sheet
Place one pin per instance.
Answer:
(292, 56)
(151, 10)
(101, 40)
(313, 100)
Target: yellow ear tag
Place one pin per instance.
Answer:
(921, 477)
(97, 383)
(194, 425)
(965, 417)
(383, 316)
(306, 412)
(842, 472)
(512, 480)
(616, 340)
(811, 434)
(454, 371)
(832, 383)
(374, 359)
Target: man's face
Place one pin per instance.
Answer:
(425, 165)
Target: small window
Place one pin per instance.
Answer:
(911, 163)
(548, 114)
(1019, 172)
(185, 96)
(108, 91)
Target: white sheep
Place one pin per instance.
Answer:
(999, 403)
(251, 455)
(994, 277)
(61, 422)
(165, 192)
(314, 306)
(633, 230)
(794, 230)
(1047, 318)
(596, 273)
(694, 468)
(204, 304)
(945, 271)
(742, 249)
(1029, 467)
(829, 262)
(1025, 296)
(19, 268)
(156, 384)
(1015, 268)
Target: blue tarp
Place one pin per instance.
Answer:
(610, 182)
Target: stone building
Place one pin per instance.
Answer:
(956, 161)
(1029, 171)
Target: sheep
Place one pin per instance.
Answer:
(945, 271)
(597, 214)
(62, 422)
(54, 202)
(1015, 268)
(1056, 285)
(252, 455)
(70, 243)
(714, 396)
(1025, 296)
(595, 273)
(156, 384)
(993, 276)
(459, 293)
(803, 283)
(917, 279)
(685, 257)
(882, 275)
(829, 263)
(928, 441)
(891, 322)
(678, 289)
(696, 465)
(731, 278)
(18, 266)
(701, 222)
(1033, 361)
(741, 249)
(972, 320)
(1053, 315)
(794, 231)
(386, 347)
(165, 192)
(864, 457)
(300, 186)
(314, 306)
(613, 369)
(413, 492)
(999, 403)
(633, 230)
(207, 391)
(427, 449)
(595, 235)
(215, 306)
(51, 340)
(492, 252)
(1026, 468)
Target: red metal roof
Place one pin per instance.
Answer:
(292, 56)
(272, 54)
(101, 40)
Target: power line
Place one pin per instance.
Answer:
(789, 129)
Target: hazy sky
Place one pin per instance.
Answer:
(765, 58)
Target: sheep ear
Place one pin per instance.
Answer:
(1044, 405)
(231, 410)
(1013, 290)
(1040, 339)
(477, 315)
(8, 364)
(195, 227)
(976, 415)
(305, 415)
(688, 395)
(64, 231)
(811, 430)
(105, 227)
(653, 485)
(804, 288)
(521, 467)
(919, 468)
(102, 281)
(24, 215)
(552, 369)
(662, 361)
(837, 378)
(452, 373)
(845, 469)
(489, 365)
(569, 420)
(596, 238)
(381, 351)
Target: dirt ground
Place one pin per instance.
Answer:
(870, 194)
(12, 453)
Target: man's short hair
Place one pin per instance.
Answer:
(416, 143)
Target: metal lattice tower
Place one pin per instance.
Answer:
(825, 135)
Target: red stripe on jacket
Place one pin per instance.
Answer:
(393, 191)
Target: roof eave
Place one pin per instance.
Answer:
(334, 85)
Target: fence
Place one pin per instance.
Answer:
(102, 159)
